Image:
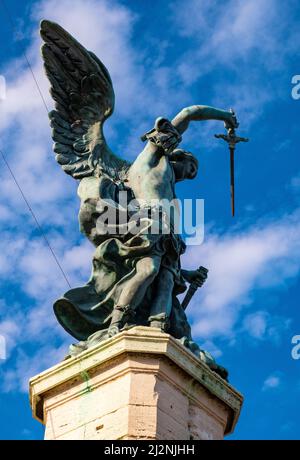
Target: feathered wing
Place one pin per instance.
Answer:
(84, 98)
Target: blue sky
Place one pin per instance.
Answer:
(164, 56)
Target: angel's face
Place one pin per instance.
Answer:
(185, 169)
(190, 169)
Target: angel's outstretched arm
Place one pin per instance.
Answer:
(201, 112)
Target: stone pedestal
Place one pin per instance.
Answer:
(140, 384)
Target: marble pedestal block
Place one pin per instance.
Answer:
(140, 384)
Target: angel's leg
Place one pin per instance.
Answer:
(162, 305)
(134, 291)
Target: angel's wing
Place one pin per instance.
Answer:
(84, 98)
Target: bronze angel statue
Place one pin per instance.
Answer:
(136, 273)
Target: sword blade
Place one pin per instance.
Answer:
(232, 180)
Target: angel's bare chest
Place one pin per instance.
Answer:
(152, 180)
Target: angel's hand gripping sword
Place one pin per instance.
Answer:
(232, 140)
(193, 288)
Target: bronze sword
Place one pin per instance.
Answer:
(232, 140)
(232, 179)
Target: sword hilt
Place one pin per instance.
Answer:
(231, 138)
(192, 289)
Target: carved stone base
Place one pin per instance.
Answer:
(139, 384)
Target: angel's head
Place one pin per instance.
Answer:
(184, 163)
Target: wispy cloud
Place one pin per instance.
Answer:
(261, 325)
(25, 260)
(249, 42)
(17, 376)
(271, 382)
(263, 256)
(239, 262)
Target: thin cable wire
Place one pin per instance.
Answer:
(9, 168)
(34, 217)
(25, 55)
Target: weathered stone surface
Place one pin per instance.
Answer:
(140, 384)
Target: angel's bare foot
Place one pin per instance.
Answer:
(76, 348)
(121, 315)
(159, 321)
(113, 330)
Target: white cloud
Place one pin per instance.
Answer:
(261, 325)
(256, 324)
(295, 182)
(263, 256)
(237, 30)
(34, 271)
(209, 346)
(5, 213)
(271, 382)
(25, 259)
(78, 259)
(237, 262)
(10, 330)
(16, 378)
(252, 40)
